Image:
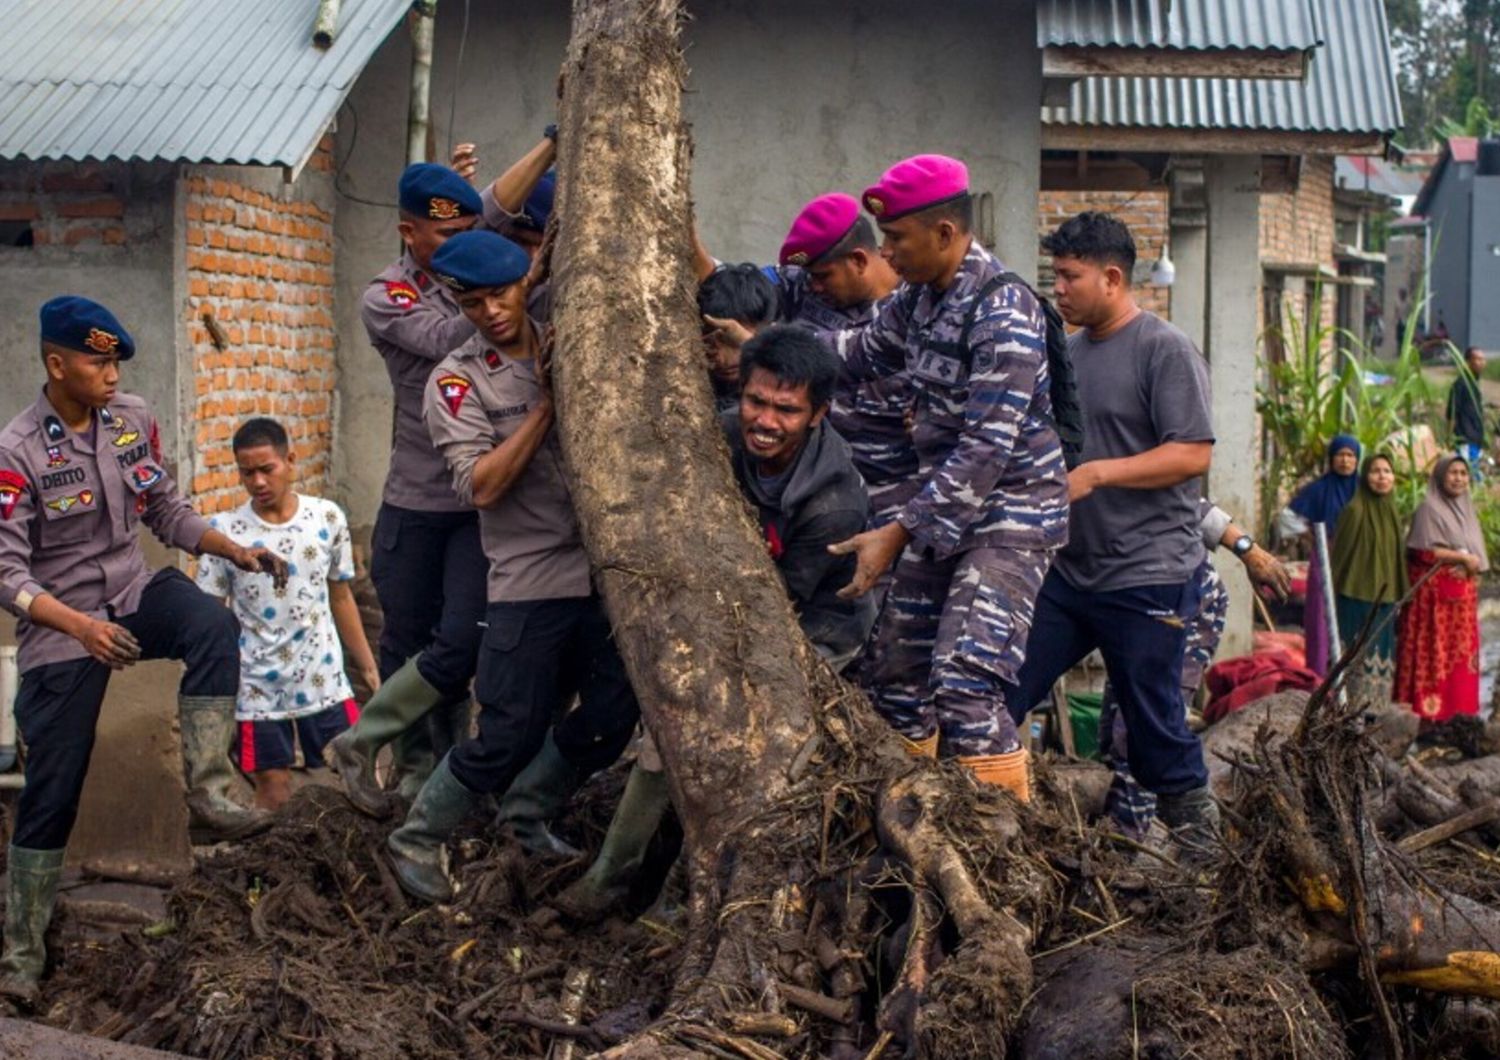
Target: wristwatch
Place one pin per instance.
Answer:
(1242, 545)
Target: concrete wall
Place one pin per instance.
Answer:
(1484, 267)
(963, 79)
(1452, 236)
(102, 230)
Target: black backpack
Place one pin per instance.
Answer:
(1067, 413)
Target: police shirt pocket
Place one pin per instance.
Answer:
(64, 516)
(501, 637)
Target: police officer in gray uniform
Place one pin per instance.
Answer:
(80, 470)
(547, 637)
(427, 562)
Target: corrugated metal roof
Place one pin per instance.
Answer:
(1375, 175)
(178, 80)
(1350, 87)
(1276, 25)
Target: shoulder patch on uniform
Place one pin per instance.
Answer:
(400, 293)
(54, 428)
(453, 388)
(12, 485)
(144, 476)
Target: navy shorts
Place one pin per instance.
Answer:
(272, 743)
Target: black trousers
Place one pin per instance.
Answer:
(57, 706)
(1142, 633)
(429, 572)
(534, 658)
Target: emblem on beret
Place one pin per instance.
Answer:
(64, 504)
(101, 341)
(126, 438)
(12, 485)
(450, 282)
(874, 205)
(401, 293)
(144, 476)
(54, 428)
(798, 259)
(453, 388)
(441, 209)
(55, 457)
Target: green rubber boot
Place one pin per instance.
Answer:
(537, 797)
(417, 750)
(30, 892)
(416, 848)
(402, 701)
(207, 732)
(607, 883)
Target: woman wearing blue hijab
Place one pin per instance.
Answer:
(1322, 501)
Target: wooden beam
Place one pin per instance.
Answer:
(1207, 141)
(1079, 172)
(1239, 64)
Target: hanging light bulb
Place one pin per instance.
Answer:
(1163, 272)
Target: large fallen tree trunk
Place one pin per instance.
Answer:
(781, 773)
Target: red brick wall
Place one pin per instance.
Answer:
(1145, 212)
(260, 263)
(70, 204)
(1298, 227)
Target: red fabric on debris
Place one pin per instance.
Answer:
(1236, 683)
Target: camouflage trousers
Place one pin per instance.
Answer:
(951, 635)
(1131, 806)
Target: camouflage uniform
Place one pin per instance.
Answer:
(870, 414)
(990, 511)
(1131, 805)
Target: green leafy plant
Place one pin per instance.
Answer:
(1325, 384)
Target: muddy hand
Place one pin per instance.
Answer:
(874, 552)
(264, 561)
(113, 645)
(729, 332)
(1266, 570)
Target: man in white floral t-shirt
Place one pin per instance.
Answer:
(292, 681)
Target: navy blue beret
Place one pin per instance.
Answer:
(480, 258)
(76, 323)
(539, 203)
(437, 193)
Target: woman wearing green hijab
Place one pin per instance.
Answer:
(1369, 573)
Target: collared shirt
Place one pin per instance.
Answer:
(869, 413)
(70, 507)
(990, 464)
(413, 322)
(476, 398)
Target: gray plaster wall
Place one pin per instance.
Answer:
(1452, 228)
(877, 84)
(134, 281)
(1484, 265)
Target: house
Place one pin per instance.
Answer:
(1244, 169)
(1458, 214)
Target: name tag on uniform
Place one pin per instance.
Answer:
(938, 368)
(508, 411)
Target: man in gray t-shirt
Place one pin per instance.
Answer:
(1125, 582)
